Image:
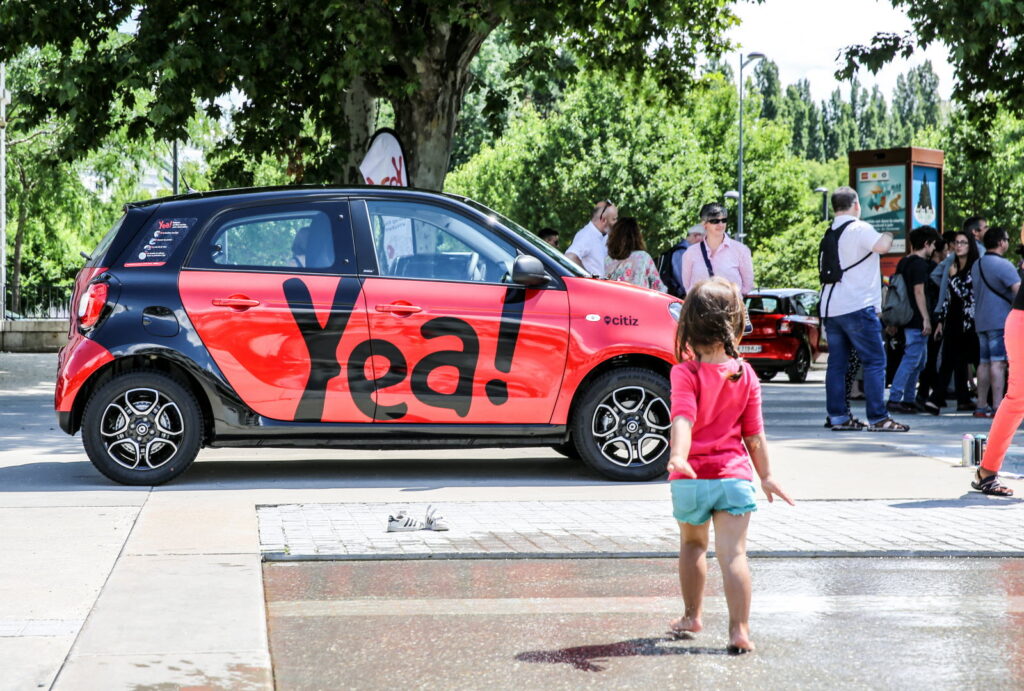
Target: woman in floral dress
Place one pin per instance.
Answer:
(627, 258)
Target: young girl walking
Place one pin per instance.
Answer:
(717, 431)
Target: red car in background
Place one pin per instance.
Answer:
(787, 335)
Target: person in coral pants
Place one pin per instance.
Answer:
(1011, 411)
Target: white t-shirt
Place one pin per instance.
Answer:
(590, 246)
(861, 285)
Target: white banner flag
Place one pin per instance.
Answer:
(384, 163)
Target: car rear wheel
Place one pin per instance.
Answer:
(797, 372)
(766, 375)
(142, 428)
(621, 427)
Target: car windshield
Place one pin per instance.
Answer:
(525, 234)
(763, 304)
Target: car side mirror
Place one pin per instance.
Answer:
(529, 271)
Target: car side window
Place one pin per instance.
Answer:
(810, 303)
(416, 240)
(298, 238)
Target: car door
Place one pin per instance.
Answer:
(453, 340)
(807, 306)
(272, 293)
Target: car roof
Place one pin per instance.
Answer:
(780, 292)
(282, 191)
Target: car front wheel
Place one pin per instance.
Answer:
(142, 428)
(621, 427)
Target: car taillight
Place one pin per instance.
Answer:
(90, 306)
(785, 326)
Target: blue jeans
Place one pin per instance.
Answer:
(915, 354)
(860, 331)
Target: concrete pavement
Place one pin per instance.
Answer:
(112, 587)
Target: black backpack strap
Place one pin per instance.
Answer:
(707, 260)
(839, 234)
(981, 270)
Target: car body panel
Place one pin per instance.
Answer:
(470, 352)
(610, 319)
(284, 355)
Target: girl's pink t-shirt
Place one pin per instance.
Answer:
(721, 413)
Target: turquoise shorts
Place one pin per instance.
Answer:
(693, 501)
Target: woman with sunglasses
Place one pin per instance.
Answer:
(955, 326)
(718, 254)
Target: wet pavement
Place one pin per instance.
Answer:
(567, 624)
(973, 525)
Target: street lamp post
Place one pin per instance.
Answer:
(823, 191)
(3, 192)
(744, 61)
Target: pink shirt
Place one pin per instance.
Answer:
(721, 413)
(731, 260)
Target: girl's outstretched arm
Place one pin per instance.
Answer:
(757, 446)
(679, 447)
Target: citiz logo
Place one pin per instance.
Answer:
(322, 345)
(621, 320)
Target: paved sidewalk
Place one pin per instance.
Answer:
(975, 526)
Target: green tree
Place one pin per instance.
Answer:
(983, 37)
(57, 210)
(311, 73)
(766, 77)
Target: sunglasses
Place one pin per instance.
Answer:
(607, 205)
(716, 221)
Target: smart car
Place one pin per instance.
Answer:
(787, 336)
(360, 317)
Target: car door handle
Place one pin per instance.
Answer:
(395, 308)
(236, 302)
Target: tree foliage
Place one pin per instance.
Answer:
(309, 73)
(984, 38)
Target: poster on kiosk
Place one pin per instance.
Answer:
(899, 190)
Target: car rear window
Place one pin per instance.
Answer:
(760, 304)
(101, 249)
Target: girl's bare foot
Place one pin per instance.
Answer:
(739, 640)
(685, 624)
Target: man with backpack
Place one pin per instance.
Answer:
(995, 284)
(851, 297)
(906, 296)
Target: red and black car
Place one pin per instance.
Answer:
(787, 335)
(355, 318)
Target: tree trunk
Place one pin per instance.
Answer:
(425, 120)
(19, 241)
(360, 113)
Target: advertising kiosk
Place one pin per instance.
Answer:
(899, 190)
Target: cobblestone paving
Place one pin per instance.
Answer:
(970, 526)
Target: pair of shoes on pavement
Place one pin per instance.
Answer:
(403, 523)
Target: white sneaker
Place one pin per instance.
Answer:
(401, 523)
(434, 520)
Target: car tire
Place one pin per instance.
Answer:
(797, 372)
(766, 375)
(568, 449)
(621, 426)
(142, 428)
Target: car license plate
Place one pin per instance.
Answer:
(750, 349)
